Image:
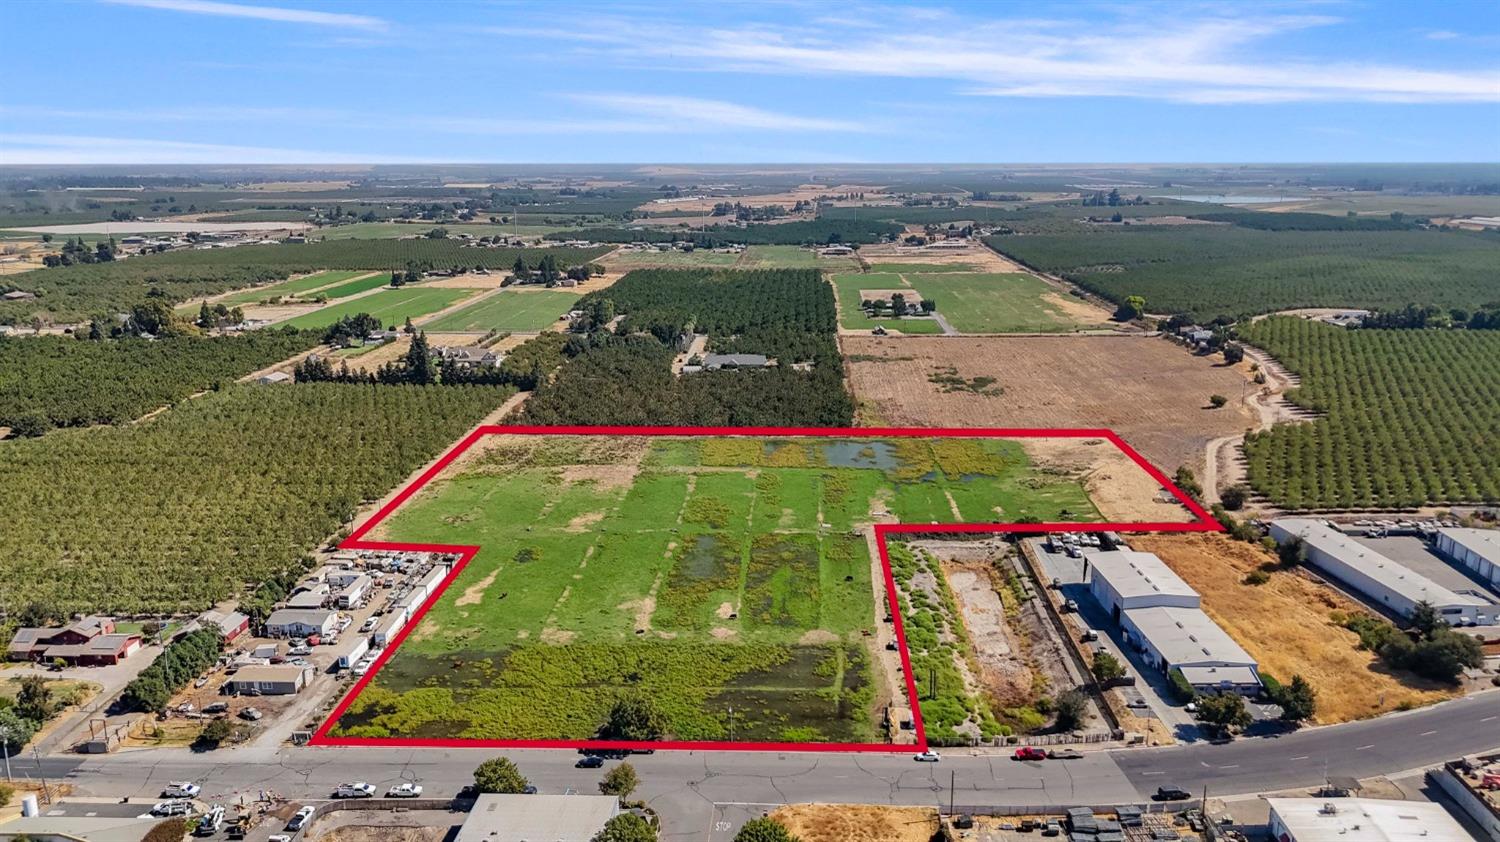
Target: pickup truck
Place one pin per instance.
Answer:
(358, 789)
(404, 791)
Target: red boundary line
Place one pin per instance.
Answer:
(1204, 523)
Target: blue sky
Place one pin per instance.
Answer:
(284, 81)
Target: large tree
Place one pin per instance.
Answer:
(626, 827)
(499, 775)
(621, 781)
(1298, 700)
(634, 717)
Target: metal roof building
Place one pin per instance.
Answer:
(537, 818)
(1381, 580)
(1126, 579)
(1363, 819)
(1161, 617)
(1476, 549)
(1186, 639)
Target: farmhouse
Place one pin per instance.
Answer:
(231, 624)
(1161, 617)
(522, 818)
(299, 622)
(1365, 819)
(90, 642)
(270, 680)
(468, 356)
(18, 295)
(1379, 579)
(715, 362)
(274, 378)
(1476, 549)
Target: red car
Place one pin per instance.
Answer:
(1029, 753)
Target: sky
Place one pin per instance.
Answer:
(760, 81)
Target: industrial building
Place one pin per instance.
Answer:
(524, 818)
(1161, 618)
(1363, 819)
(1476, 549)
(1379, 579)
(1124, 579)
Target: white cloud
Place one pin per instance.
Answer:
(83, 149)
(677, 112)
(1176, 55)
(272, 13)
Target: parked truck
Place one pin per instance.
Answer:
(350, 658)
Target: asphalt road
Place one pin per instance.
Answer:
(698, 791)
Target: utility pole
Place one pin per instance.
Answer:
(46, 793)
(731, 723)
(5, 750)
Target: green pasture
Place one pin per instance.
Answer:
(392, 307)
(850, 316)
(995, 303)
(509, 310)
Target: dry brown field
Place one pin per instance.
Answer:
(1149, 391)
(858, 822)
(1285, 624)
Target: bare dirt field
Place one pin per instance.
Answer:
(1115, 484)
(1285, 624)
(1151, 392)
(858, 822)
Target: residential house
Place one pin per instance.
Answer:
(269, 680)
(299, 622)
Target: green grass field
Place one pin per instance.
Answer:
(700, 573)
(995, 303)
(508, 310)
(392, 307)
(345, 290)
(853, 318)
(296, 286)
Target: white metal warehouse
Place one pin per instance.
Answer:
(1362, 820)
(1382, 581)
(1161, 618)
(1186, 639)
(1125, 579)
(1476, 549)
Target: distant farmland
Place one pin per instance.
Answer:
(1213, 270)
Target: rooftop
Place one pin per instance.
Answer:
(1368, 820)
(1133, 573)
(91, 828)
(310, 616)
(1391, 575)
(1187, 635)
(537, 818)
(1482, 542)
(268, 672)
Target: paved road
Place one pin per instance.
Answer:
(694, 791)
